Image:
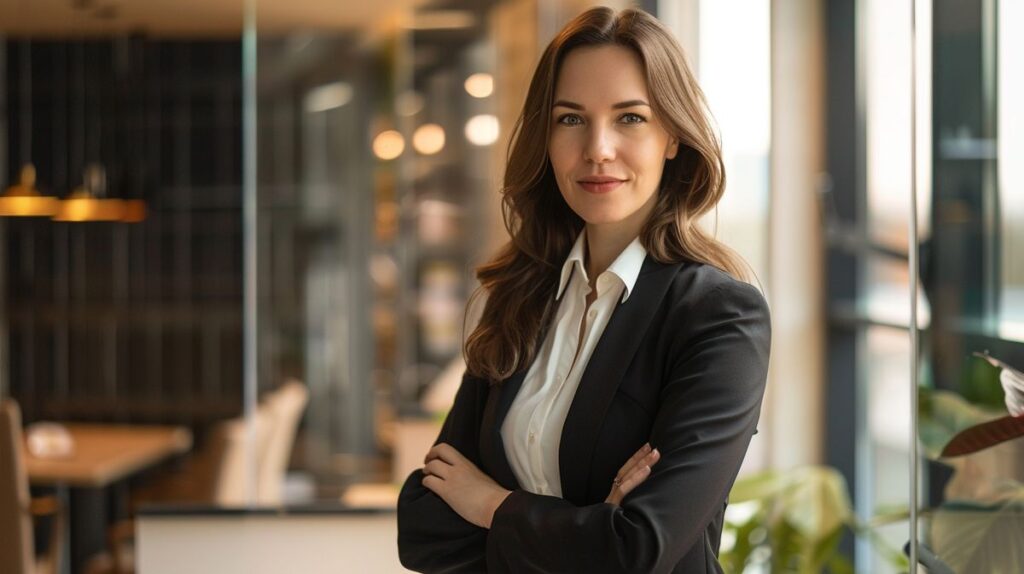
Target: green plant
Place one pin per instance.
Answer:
(792, 522)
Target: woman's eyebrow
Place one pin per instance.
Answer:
(620, 105)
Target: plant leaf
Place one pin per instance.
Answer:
(759, 486)
(816, 503)
(979, 539)
(943, 414)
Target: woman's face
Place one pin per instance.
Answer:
(607, 149)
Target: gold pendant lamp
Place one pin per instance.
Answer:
(22, 199)
(87, 202)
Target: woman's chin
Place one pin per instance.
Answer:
(604, 222)
(604, 217)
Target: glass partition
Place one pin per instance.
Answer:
(932, 111)
(946, 130)
(374, 171)
(973, 350)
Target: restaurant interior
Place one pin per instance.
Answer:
(237, 240)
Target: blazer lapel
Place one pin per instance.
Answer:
(492, 448)
(607, 365)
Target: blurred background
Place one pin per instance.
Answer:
(237, 238)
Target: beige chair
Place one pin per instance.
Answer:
(17, 508)
(285, 407)
(216, 475)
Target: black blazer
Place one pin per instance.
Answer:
(682, 363)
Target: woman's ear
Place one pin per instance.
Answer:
(672, 149)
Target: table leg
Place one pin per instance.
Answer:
(88, 525)
(64, 565)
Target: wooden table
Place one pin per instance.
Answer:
(107, 453)
(94, 474)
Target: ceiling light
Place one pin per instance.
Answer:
(87, 202)
(80, 205)
(480, 85)
(388, 145)
(482, 130)
(428, 139)
(24, 200)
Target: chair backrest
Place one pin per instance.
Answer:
(285, 406)
(228, 448)
(16, 544)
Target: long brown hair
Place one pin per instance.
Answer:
(521, 281)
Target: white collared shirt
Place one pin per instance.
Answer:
(532, 429)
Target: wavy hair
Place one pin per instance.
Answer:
(522, 279)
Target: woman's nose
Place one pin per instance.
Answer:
(600, 147)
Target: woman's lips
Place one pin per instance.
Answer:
(599, 185)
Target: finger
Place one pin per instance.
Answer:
(433, 483)
(614, 497)
(633, 460)
(438, 468)
(443, 451)
(634, 480)
(433, 453)
(621, 486)
(642, 456)
(644, 469)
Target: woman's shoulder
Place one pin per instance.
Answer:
(700, 286)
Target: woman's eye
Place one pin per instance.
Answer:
(633, 118)
(570, 120)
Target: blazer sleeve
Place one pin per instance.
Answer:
(433, 538)
(709, 407)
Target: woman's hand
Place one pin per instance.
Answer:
(633, 473)
(467, 490)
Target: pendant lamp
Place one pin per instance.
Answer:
(88, 201)
(23, 199)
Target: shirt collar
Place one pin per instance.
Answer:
(626, 266)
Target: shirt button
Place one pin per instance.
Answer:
(532, 436)
(592, 313)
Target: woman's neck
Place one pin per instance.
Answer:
(605, 241)
(604, 244)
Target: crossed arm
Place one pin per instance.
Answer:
(476, 497)
(453, 518)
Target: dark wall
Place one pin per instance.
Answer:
(127, 321)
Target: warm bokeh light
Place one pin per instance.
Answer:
(480, 85)
(328, 97)
(482, 129)
(388, 145)
(428, 139)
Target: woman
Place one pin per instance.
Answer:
(615, 378)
